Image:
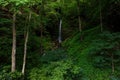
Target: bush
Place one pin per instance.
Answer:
(57, 65)
(60, 70)
(55, 55)
(105, 50)
(6, 75)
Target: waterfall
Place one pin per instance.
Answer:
(60, 29)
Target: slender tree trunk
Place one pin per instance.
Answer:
(25, 52)
(101, 22)
(13, 66)
(80, 25)
(42, 24)
(79, 18)
(112, 63)
(41, 35)
(25, 46)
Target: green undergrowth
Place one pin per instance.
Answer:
(56, 65)
(79, 51)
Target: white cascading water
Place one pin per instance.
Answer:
(60, 29)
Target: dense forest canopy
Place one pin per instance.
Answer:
(59, 40)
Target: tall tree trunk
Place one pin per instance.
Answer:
(101, 22)
(13, 66)
(25, 46)
(42, 24)
(25, 52)
(112, 63)
(41, 35)
(79, 18)
(80, 25)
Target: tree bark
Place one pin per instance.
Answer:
(101, 22)
(79, 18)
(42, 25)
(25, 52)
(25, 46)
(80, 27)
(112, 63)
(41, 35)
(13, 66)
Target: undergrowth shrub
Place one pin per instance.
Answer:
(5, 74)
(60, 70)
(54, 55)
(57, 65)
(105, 51)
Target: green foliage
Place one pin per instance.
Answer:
(5, 40)
(102, 49)
(6, 75)
(114, 78)
(59, 70)
(57, 65)
(77, 59)
(86, 52)
(55, 55)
